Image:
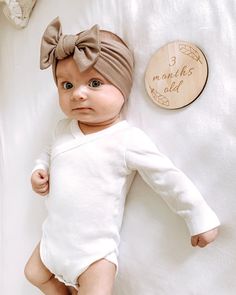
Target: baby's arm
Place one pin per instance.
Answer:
(174, 187)
(40, 174)
(40, 182)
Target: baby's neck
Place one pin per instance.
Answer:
(88, 128)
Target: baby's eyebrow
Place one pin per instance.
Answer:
(99, 77)
(59, 76)
(62, 77)
(62, 74)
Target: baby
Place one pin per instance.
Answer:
(90, 166)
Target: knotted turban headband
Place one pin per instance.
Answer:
(112, 59)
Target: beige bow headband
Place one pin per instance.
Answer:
(110, 58)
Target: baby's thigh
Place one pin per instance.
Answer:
(98, 278)
(72, 290)
(35, 271)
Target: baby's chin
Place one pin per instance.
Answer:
(100, 121)
(92, 127)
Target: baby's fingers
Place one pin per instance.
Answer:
(39, 178)
(43, 190)
(199, 241)
(43, 175)
(41, 182)
(194, 241)
(203, 239)
(40, 175)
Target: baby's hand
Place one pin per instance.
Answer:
(204, 239)
(40, 182)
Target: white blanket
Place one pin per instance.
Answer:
(155, 253)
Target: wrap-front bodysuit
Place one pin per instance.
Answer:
(90, 176)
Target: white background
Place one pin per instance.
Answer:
(155, 253)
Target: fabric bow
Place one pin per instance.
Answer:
(106, 53)
(84, 47)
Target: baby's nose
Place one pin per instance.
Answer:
(80, 93)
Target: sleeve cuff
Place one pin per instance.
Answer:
(201, 219)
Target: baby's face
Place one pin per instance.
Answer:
(87, 97)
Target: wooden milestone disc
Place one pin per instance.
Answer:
(176, 75)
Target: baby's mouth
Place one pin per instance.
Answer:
(81, 108)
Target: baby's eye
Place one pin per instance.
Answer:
(67, 85)
(94, 83)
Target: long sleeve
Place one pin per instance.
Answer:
(61, 134)
(43, 161)
(170, 183)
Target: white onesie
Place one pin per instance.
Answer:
(90, 176)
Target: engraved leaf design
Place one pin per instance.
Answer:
(158, 97)
(190, 51)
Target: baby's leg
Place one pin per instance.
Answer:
(98, 279)
(41, 277)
